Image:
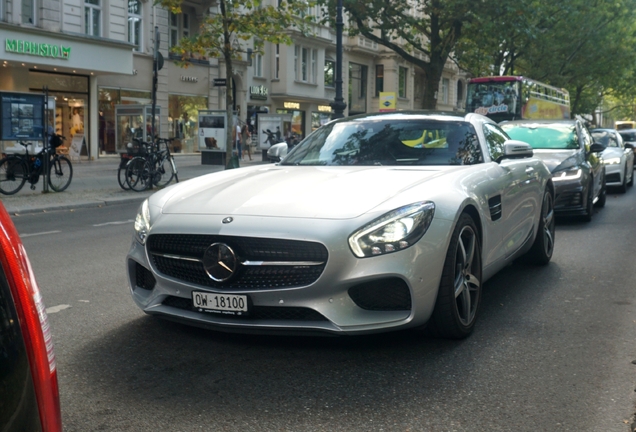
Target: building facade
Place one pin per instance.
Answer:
(96, 59)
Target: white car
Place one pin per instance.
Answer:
(618, 158)
(365, 226)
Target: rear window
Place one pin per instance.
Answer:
(628, 136)
(548, 136)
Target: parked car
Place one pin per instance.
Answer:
(353, 232)
(29, 398)
(629, 137)
(568, 149)
(618, 158)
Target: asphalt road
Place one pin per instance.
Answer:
(552, 351)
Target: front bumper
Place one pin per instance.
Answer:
(570, 198)
(338, 301)
(614, 174)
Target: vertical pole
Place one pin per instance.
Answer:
(338, 105)
(46, 157)
(155, 69)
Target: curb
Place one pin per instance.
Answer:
(16, 211)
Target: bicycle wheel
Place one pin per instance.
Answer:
(164, 172)
(138, 174)
(13, 174)
(60, 173)
(121, 178)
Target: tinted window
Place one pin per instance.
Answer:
(371, 141)
(557, 136)
(495, 139)
(604, 137)
(628, 136)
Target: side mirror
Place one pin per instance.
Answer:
(597, 148)
(629, 145)
(514, 149)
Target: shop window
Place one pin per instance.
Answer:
(402, 82)
(28, 11)
(318, 119)
(93, 17)
(183, 114)
(379, 79)
(296, 130)
(134, 23)
(330, 67)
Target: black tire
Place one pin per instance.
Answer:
(138, 174)
(459, 294)
(121, 178)
(60, 173)
(589, 207)
(13, 174)
(623, 187)
(602, 197)
(164, 173)
(543, 246)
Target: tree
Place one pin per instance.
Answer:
(431, 27)
(225, 35)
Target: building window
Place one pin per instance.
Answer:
(92, 17)
(304, 67)
(357, 88)
(445, 87)
(28, 11)
(314, 62)
(379, 79)
(296, 55)
(460, 94)
(134, 23)
(183, 117)
(277, 62)
(330, 68)
(185, 20)
(174, 30)
(402, 82)
(258, 65)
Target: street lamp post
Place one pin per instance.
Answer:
(338, 105)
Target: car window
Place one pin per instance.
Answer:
(605, 137)
(554, 136)
(370, 141)
(495, 139)
(628, 136)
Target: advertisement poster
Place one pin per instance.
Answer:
(212, 132)
(273, 129)
(22, 116)
(536, 109)
(388, 101)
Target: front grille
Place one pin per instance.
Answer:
(613, 178)
(143, 277)
(253, 277)
(389, 294)
(261, 313)
(568, 199)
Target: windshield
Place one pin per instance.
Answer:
(604, 137)
(554, 136)
(370, 141)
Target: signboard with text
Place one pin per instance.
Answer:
(21, 116)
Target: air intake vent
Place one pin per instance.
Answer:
(495, 207)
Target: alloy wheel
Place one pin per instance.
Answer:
(466, 284)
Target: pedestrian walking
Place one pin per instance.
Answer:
(246, 139)
(238, 141)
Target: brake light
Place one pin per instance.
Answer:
(33, 321)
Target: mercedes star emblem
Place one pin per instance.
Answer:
(219, 261)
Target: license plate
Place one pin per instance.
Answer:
(228, 304)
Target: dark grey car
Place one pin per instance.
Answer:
(569, 151)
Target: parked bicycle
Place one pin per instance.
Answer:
(155, 167)
(16, 169)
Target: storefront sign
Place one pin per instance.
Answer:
(37, 49)
(219, 82)
(259, 92)
(189, 79)
(291, 105)
(324, 108)
(387, 101)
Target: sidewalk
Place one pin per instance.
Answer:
(95, 184)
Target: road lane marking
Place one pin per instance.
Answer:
(40, 233)
(114, 223)
(56, 309)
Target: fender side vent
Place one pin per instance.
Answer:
(494, 204)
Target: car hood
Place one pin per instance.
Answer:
(558, 159)
(300, 192)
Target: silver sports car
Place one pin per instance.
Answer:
(372, 223)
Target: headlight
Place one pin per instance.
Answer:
(569, 174)
(612, 161)
(142, 223)
(393, 231)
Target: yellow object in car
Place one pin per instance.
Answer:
(428, 139)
